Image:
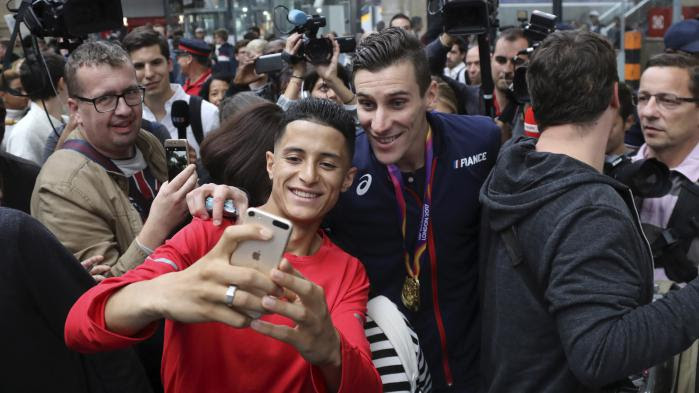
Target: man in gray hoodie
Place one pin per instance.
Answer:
(567, 276)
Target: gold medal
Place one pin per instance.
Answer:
(410, 295)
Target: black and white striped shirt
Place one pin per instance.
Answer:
(388, 364)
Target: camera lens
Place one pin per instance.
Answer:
(251, 214)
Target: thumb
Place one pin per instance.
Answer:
(235, 234)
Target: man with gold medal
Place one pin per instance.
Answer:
(412, 213)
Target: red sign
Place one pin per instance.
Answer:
(659, 20)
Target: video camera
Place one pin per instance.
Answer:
(313, 49)
(648, 178)
(71, 20)
(540, 25)
(316, 50)
(465, 17)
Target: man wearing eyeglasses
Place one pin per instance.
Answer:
(566, 278)
(668, 107)
(103, 193)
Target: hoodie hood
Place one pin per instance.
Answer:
(523, 180)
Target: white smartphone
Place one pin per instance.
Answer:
(263, 255)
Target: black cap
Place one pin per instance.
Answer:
(194, 47)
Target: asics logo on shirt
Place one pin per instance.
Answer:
(364, 184)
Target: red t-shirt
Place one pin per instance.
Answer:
(213, 357)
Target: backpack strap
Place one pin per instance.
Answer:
(513, 248)
(143, 186)
(195, 118)
(84, 148)
(671, 247)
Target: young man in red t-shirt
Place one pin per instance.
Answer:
(310, 337)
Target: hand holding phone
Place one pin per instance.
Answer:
(263, 255)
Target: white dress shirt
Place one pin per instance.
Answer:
(209, 116)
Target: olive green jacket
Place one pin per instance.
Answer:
(87, 207)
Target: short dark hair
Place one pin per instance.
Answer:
(323, 112)
(312, 77)
(240, 44)
(241, 101)
(511, 34)
(144, 36)
(206, 86)
(400, 16)
(234, 154)
(679, 60)
(93, 54)
(391, 46)
(35, 81)
(223, 33)
(626, 106)
(461, 44)
(571, 78)
(251, 35)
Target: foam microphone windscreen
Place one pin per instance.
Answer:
(297, 17)
(180, 114)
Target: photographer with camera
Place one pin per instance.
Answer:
(327, 81)
(668, 107)
(565, 309)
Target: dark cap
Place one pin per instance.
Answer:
(683, 36)
(194, 47)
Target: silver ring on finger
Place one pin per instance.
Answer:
(230, 294)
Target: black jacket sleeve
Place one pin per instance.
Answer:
(597, 289)
(437, 56)
(39, 283)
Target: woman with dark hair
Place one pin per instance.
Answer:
(234, 154)
(214, 90)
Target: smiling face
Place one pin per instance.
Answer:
(309, 168)
(393, 113)
(111, 133)
(152, 70)
(674, 131)
(217, 91)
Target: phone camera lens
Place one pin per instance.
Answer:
(251, 214)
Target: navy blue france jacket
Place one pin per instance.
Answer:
(365, 223)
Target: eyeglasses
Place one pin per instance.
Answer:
(109, 102)
(516, 61)
(663, 100)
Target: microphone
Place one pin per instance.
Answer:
(297, 17)
(180, 117)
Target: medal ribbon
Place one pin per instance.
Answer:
(423, 231)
